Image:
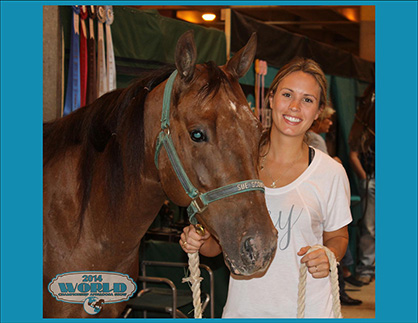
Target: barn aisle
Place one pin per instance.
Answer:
(367, 295)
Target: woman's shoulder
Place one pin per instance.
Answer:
(326, 162)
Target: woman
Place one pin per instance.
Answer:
(307, 194)
(321, 125)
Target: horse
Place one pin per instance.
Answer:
(362, 132)
(108, 168)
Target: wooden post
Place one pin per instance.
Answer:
(226, 16)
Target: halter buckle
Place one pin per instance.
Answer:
(197, 207)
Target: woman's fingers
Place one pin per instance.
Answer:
(191, 240)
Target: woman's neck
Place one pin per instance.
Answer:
(285, 148)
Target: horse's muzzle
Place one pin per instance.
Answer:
(256, 254)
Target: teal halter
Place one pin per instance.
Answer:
(200, 201)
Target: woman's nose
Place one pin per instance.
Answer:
(294, 106)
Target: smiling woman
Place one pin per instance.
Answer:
(294, 104)
(308, 198)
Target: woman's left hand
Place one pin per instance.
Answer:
(316, 261)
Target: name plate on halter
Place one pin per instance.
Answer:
(251, 184)
(92, 289)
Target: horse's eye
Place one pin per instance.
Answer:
(197, 135)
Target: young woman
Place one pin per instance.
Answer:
(308, 198)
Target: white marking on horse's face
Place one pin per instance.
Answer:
(251, 115)
(232, 106)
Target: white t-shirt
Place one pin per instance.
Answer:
(318, 200)
(315, 140)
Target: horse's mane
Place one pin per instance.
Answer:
(97, 129)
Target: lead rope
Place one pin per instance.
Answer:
(335, 288)
(194, 277)
(195, 280)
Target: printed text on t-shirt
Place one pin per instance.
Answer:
(284, 224)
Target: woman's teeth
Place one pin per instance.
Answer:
(292, 119)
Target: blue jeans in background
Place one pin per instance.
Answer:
(366, 264)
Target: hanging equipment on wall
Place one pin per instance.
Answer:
(260, 73)
(111, 68)
(265, 113)
(101, 59)
(257, 88)
(91, 48)
(72, 96)
(83, 55)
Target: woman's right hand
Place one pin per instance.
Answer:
(191, 241)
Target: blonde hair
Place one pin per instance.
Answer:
(326, 113)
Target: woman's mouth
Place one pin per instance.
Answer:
(291, 118)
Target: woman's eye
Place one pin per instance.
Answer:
(308, 100)
(287, 95)
(197, 135)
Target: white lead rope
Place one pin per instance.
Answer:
(335, 288)
(194, 279)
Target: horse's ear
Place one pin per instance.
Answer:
(241, 62)
(185, 56)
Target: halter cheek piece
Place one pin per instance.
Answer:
(200, 201)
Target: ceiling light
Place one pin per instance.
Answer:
(208, 16)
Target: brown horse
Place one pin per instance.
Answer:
(362, 134)
(104, 182)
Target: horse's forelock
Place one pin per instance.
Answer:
(216, 78)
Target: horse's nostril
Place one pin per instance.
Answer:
(249, 250)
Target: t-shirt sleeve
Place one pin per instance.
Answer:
(338, 205)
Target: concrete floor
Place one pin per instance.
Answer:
(367, 295)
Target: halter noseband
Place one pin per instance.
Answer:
(200, 201)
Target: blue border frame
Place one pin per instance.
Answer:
(21, 158)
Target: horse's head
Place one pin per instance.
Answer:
(362, 133)
(366, 107)
(216, 138)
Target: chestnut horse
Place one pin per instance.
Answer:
(109, 166)
(362, 132)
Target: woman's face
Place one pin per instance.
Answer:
(324, 125)
(295, 104)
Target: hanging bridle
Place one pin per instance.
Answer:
(200, 201)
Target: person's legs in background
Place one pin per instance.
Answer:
(365, 269)
(346, 262)
(345, 299)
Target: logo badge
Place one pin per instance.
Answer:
(92, 289)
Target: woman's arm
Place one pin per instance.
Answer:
(358, 168)
(337, 242)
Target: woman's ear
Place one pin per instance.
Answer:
(319, 112)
